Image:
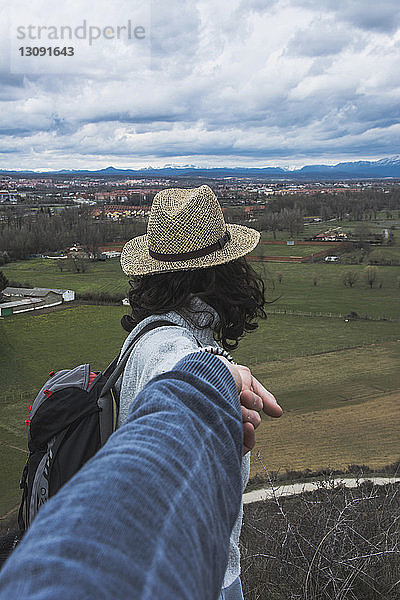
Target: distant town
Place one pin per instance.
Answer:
(88, 216)
(59, 191)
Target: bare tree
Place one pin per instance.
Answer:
(292, 219)
(349, 278)
(60, 264)
(271, 221)
(361, 234)
(371, 275)
(3, 284)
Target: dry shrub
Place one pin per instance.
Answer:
(334, 543)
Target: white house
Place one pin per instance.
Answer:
(68, 295)
(111, 254)
(332, 258)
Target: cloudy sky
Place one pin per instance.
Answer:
(209, 83)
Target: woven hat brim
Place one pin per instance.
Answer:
(135, 258)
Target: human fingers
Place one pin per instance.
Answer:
(246, 376)
(251, 400)
(267, 402)
(250, 416)
(249, 438)
(270, 406)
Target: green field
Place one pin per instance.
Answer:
(296, 291)
(40, 272)
(330, 380)
(283, 336)
(302, 250)
(31, 345)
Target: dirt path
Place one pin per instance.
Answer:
(298, 488)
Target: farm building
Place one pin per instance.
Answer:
(111, 254)
(10, 308)
(24, 299)
(49, 293)
(333, 235)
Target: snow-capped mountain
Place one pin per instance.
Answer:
(385, 167)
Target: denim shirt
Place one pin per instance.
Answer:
(157, 352)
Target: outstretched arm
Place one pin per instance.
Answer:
(151, 514)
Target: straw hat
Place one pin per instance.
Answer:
(186, 230)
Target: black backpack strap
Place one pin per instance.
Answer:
(23, 507)
(108, 398)
(118, 364)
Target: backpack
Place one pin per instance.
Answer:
(71, 418)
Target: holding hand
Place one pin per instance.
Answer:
(253, 398)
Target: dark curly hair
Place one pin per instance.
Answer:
(234, 290)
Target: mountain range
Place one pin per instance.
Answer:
(386, 167)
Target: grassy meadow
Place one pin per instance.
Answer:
(337, 380)
(39, 272)
(31, 345)
(303, 250)
(297, 290)
(290, 285)
(341, 408)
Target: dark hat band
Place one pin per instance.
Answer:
(218, 245)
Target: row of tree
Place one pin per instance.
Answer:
(370, 275)
(3, 284)
(357, 206)
(47, 233)
(286, 219)
(23, 234)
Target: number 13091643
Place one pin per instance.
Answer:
(46, 51)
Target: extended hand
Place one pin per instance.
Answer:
(253, 398)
